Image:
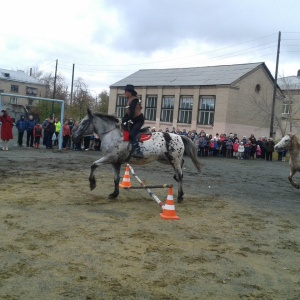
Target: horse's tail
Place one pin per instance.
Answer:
(191, 151)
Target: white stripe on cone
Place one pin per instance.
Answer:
(169, 207)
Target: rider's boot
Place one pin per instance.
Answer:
(137, 150)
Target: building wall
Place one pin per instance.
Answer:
(249, 107)
(5, 85)
(237, 107)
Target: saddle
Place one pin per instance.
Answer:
(144, 134)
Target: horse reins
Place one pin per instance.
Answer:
(88, 124)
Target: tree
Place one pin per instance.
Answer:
(102, 104)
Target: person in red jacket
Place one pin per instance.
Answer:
(6, 129)
(66, 131)
(37, 134)
(235, 148)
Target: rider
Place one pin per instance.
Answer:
(133, 114)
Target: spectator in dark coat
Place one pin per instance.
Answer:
(269, 149)
(30, 123)
(21, 125)
(48, 133)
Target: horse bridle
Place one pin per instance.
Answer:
(89, 123)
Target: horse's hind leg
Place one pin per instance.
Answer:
(178, 176)
(92, 176)
(293, 183)
(117, 168)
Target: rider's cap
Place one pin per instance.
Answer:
(129, 88)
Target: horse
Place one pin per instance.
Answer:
(292, 144)
(161, 146)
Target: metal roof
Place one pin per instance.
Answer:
(289, 83)
(18, 76)
(215, 75)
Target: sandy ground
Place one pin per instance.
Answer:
(237, 238)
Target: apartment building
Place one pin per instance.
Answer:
(19, 83)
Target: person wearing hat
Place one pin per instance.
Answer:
(134, 114)
(6, 129)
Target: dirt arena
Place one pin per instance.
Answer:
(238, 235)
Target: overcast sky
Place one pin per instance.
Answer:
(108, 40)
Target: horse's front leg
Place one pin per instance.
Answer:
(94, 166)
(293, 183)
(117, 168)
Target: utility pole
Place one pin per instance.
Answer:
(54, 88)
(71, 101)
(275, 88)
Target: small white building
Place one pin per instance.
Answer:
(290, 87)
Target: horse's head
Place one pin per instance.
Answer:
(286, 142)
(85, 127)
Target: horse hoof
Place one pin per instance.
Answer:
(179, 200)
(113, 195)
(92, 186)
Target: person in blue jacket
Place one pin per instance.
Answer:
(30, 123)
(21, 125)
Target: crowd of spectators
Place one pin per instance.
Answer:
(220, 145)
(48, 133)
(231, 146)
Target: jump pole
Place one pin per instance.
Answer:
(147, 188)
(151, 187)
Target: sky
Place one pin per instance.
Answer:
(108, 40)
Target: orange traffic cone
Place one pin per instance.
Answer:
(126, 179)
(169, 212)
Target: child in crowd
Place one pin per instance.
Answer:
(211, 147)
(66, 130)
(284, 154)
(241, 150)
(37, 134)
(235, 148)
(258, 152)
(229, 145)
(247, 149)
(97, 144)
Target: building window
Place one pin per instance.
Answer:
(150, 108)
(286, 109)
(13, 100)
(167, 109)
(30, 91)
(121, 106)
(14, 88)
(185, 110)
(257, 88)
(206, 110)
(1, 91)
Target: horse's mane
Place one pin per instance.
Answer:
(105, 117)
(295, 139)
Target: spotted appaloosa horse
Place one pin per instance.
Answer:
(292, 144)
(161, 146)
